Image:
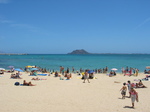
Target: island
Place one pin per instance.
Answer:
(80, 51)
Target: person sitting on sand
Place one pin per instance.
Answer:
(140, 85)
(56, 74)
(112, 73)
(91, 76)
(18, 74)
(1, 72)
(15, 76)
(69, 76)
(33, 73)
(145, 72)
(123, 90)
(27, 83)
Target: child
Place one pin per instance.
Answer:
(123, 90)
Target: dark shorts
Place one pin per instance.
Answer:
(123, 92)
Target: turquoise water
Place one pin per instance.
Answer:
(92, 61)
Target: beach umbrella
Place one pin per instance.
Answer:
(18, 69)
(10, 66)
(2, 68)
(114, 69)
(90, 71)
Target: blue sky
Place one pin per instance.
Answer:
(61, 26)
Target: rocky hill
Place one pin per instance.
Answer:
(81, 51)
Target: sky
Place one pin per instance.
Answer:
(61, 26)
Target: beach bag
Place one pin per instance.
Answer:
(17, 84)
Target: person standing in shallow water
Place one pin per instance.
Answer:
(86, 77)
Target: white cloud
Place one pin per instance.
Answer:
(25, 26)
(144, 22)
(5, 21)
(2, 20)
(4, 1)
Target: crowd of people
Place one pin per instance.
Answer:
(133, 94)
(66, 74)
(130, 71)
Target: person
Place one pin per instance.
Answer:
(129, 88)
(12, 69)
(86, 77)
(18, 74)
(30, 84)
(140, 85)
(91, 75)
(67, 70)
(127, 69)
(130, 71)
(134, 96)
(145, 71)
(56, 74)
(72, 69)
(123, 90)
(38, 79)
(69, 76)
(1, 72)
(61, 69)
(15, 76)
(122, 70)
(136, 72)
(114, 73)
(111, 74)
(27, 83)
(106, 69)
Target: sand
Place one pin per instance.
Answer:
(54, 95)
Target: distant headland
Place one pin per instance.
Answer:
(81, 51)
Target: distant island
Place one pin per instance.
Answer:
(81, 51)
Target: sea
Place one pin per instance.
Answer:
(86, 61)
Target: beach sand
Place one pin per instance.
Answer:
(54, 95)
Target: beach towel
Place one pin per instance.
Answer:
(94, 77)
(79, 77)
(42, 74)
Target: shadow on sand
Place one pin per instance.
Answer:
(130, 107)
